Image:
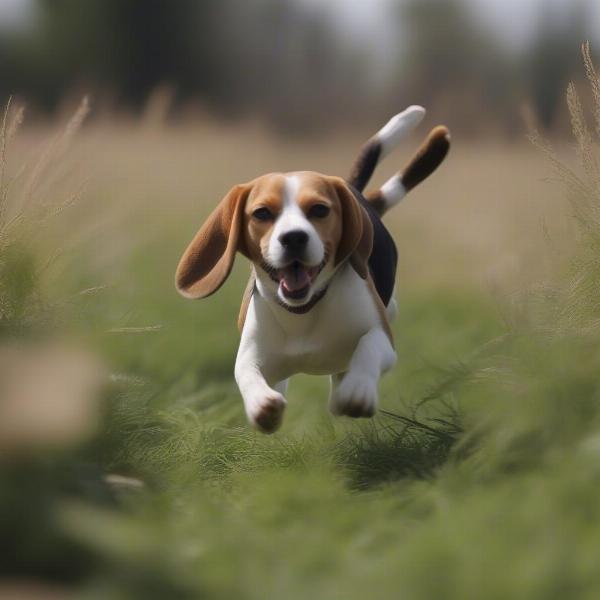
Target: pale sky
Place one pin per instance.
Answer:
(512, 20)
(15, 14)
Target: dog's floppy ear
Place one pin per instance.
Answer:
(356, 242)
(208, 260)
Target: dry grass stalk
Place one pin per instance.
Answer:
(145, 329)
(15, 123)
(3, 143)
(579, 308)
(564, 173)
(581, 133)
(594, 80)
(54, 152)
(583, 192)
(7, 133)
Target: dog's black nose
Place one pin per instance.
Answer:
(294, 241)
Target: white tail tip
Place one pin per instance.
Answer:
(399, 126)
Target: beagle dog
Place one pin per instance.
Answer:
(320, 295)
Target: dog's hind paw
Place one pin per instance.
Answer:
(354, 396)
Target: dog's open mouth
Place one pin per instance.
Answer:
(295, 280)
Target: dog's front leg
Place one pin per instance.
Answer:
(264, 405)
(354, 393)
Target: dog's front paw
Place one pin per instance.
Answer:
(355, 396)
(265, 411)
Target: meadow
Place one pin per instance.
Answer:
(478, 478)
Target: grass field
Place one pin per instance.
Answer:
(478, 479)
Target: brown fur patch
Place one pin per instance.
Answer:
(377, 201)
(428, 158)
(246, 301)
(320, 189)
(356, 242)
(208, 259)
(267, 192)
(381, 310)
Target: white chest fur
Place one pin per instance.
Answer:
(319, 342)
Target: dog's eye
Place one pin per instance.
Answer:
(318, 211)
(263, 214)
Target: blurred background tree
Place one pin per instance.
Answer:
(450, 60)
(290, 63)
(551, 61)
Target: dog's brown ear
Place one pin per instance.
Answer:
(208, 260)
(356, 242)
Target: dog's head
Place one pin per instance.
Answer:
(296, 228)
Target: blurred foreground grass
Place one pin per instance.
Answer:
(478, 479)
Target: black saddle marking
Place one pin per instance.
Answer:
(384, 256)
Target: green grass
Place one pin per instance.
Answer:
(479, 480)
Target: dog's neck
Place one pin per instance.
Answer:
(291, 317)
(304, 308)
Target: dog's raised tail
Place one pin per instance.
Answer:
(425, 161)
(382, 143)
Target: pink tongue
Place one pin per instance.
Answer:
(295, 278)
